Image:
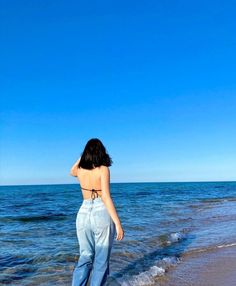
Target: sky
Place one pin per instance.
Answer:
(153, 80)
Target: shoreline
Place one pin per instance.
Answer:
(213, 268)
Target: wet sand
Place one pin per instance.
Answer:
(212, 268)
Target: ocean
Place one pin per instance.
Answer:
(162, 223)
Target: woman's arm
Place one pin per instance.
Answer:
(106, 197)
(73, 170)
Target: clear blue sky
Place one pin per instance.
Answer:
(154, 80)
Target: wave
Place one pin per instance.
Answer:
(226, 245)
(47, 217)
(155, 263)
(14, 260)
(60, 257)
(219, 200)
(151, 275)
(161, 266)
(143, 193)
(167, 239)
(208, 202)
(209, 248)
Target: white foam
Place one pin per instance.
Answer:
(144, 278)
(148, 277)
(195, 250)
(226, 245)
(169, 261)
(174, 237)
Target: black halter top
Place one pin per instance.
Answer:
(93, 192)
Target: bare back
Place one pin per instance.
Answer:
(89, 179)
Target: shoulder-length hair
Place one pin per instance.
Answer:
(94, 155)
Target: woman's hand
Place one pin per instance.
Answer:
(119, 232)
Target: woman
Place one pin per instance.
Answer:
(97, 219)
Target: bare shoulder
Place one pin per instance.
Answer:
(105, 180)
(105, 172)
(105, 169)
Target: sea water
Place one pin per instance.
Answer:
(162, 222)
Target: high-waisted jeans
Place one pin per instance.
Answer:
(95, 232)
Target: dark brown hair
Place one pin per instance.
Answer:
(94, 155)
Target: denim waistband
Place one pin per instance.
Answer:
(96, 201)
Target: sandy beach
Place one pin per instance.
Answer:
(214, 268)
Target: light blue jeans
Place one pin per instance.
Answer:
(95, 232)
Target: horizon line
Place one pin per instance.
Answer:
(140, 182)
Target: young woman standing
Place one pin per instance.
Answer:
(97, 219)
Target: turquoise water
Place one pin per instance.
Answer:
(162, 222)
